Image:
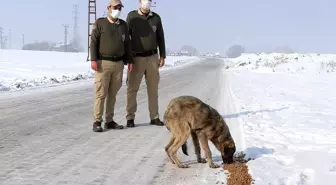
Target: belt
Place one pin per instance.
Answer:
(145, 54)
(112, 58)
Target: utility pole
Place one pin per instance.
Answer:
(23, 39)
(65, 37)
(5, 42)
(92, 11)
(9, 39)
(75, 28)
(1, 38)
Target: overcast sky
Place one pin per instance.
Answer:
(210, 26)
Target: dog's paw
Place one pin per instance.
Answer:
(213, 165)
(183, 166)
(171, 161)
(201, 160)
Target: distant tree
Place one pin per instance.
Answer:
(235, 51)
(38, 46)
(191, 50)
(50, 46)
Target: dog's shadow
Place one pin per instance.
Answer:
(125, 127)
(228, 116)
(251, 152)
(143, 125)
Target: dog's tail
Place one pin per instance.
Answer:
(184, 146)
(185, 149)
(167, 126)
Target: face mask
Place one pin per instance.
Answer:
(115, 13)
(146, 4)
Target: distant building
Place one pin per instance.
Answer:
(185, 53)
(61, 47)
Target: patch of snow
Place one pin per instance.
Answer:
(290, 63)
(21, 69)
(288, 121)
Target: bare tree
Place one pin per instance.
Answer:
(235, 51)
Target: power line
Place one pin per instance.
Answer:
(65, 37)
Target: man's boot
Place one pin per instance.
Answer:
(157, 122)
(97, 127)
(130, 123)
(112, 125)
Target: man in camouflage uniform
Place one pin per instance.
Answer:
(110, 50)
(146, 32)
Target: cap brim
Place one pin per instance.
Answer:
(110, 4)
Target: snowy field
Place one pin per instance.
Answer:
(21, 69)
(281, 110)
(287, 106)
(289, 63)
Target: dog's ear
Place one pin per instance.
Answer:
(221, 139)
(225, 141)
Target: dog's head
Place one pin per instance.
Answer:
(227, 148)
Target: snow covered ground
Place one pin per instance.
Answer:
(281, 110)
(287, 108)
(21, 69)
(289, 63)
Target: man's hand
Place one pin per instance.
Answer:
(130, 67)
(94, 65)
(162, 62)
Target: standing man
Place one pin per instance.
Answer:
(146, 32)
(110, 50)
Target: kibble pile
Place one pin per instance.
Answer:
(238, 172)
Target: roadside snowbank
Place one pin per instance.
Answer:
(289, 126)
(286, 104)
(23, 69)
(290, 63)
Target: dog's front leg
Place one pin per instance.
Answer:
(205, 145)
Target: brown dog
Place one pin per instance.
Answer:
(188, 115)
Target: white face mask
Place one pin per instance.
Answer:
(146, 4)
(115, 14)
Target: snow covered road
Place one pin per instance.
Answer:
(46, 137)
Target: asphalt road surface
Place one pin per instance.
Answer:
(46, 135)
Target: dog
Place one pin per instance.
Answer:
(188, 115)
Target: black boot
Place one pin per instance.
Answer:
(130, 123)
(97, 127)
(112, 125)
(157, 122)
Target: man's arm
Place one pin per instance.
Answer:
(161, 39)
(94, 44)
(128, 48)
(128, 21)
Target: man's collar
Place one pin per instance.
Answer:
(149, 14)
(111, 21)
